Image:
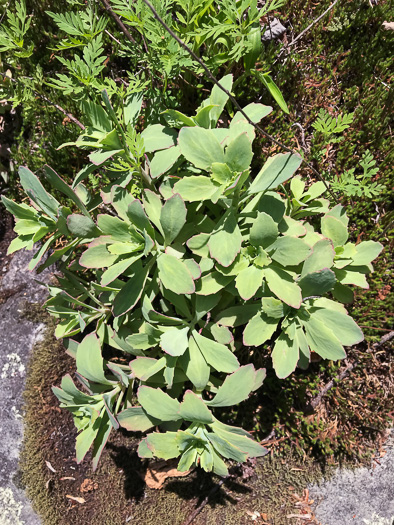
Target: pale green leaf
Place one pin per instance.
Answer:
(225, 242)
(264, 230)
(259, 329)
(194, 409)
(163, 445)
(341, 324)
(322, 256)
(90, 363)
(235, 388)
(158, 137)
(175, 341)
(285, 356)
(174, 274)
(216, 354)
(196, 188)
(200, 147)
(322, 340)
(275, 171)
(334, 229)
(158, 404)
(248, 281)
(195, 366)
(164, 160)
(131, 292)
(239, 153)
(173, 217)
(289, 251)
(135, 419)
(317, 283)
(283, 286)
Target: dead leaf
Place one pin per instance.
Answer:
(388, 25)
(67, 477)
(49, 466)
(78, 500)
(158, 471)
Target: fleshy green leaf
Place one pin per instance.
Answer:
(275, 171)
(235, 388)
(135, 419)
(341, 324)
(173, 217)
(97, 257)
(225, 242)
(317, 283)
(194, 409)
(219, 98)
(58, 183)
(131, 292)
(259, 329)
(174, 274)
(195, 366)
(175, 341)
(248, 281)
(239, 153)
(200, 147)
(367, 251)
(158, 404)
(82, 226)
(322, 340)
(334, 229)
(237, 315)
(196, 188)
(289, 251)
(37, 193)
(285, 356)
(163, 445)
(264, 230)
(157, 137)
(90, 363)
(283, 286)
(322, 256)
(163, 161)
(216, 354)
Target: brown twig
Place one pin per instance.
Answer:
(385, 339)
(118, 21)
(59, 108)
(189, 520)
(43, 97)
(231, 97)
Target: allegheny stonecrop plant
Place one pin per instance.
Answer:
(207, 260)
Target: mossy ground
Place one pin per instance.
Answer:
(118, 490)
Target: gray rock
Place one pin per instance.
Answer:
(364, 496)
(275, 30)
(17, 337)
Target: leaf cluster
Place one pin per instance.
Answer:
(207, 260)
